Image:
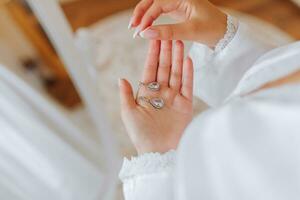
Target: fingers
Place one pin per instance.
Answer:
(187, 79)
(147, 11)
(139, 12)
(150, 70)
(165, 62)
(176, 70)
(150, 16)
(126, 94)
(181, 31)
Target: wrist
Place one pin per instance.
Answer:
(158, 147)
(211, 23)
(158, 144)
(218, 30)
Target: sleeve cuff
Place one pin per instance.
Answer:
(148, 163)
(232, 27)
(217, 74)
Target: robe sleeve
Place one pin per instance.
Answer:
(149, 176)
(218, 73)
(248, 149)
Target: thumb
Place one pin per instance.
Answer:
(181, 31)
(126, 94)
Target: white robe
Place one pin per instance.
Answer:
(247, 146)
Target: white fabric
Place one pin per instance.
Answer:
(152, 162)
(217, 75)
(145, 166)
(43, 155)
(245, 147)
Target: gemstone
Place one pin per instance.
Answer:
(154, 86)
(157, 103)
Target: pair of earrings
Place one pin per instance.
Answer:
(157, 103)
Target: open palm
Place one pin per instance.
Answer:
(152, 129)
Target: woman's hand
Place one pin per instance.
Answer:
(159, 130)
(200, 21)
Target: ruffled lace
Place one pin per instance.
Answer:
(147, 164)
(232, 26)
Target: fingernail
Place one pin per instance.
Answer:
(137, 31)
(130, 23)
(120, 82)
(149, 33)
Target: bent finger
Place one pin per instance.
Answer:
(150, 16)
(139, 11)
(156, 9)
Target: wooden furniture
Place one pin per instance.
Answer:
(59, 85)
(82, 13)
(284, 14)
(32, 29)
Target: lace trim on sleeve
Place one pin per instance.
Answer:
(147, 164)
(232, 27)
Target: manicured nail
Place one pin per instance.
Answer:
(149, 33)
(137, 31)
(130, 23)
(120, 82)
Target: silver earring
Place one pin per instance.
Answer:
(153, 86)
